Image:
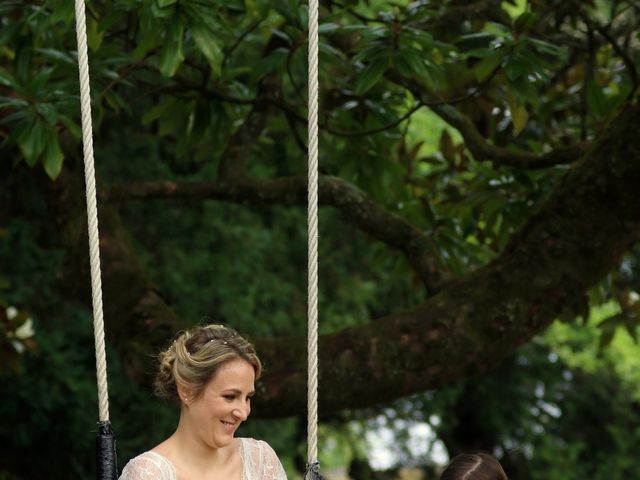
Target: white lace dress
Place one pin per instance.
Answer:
(259, 462)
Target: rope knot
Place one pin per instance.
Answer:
(312, 471)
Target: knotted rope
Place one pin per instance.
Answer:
(106, 440)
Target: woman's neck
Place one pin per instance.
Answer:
(188, 453)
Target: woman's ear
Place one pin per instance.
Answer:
(186, 395)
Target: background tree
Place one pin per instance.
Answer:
(479, 173)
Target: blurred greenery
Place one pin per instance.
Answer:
(172, 82)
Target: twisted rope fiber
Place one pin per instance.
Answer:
(92, 212)
(312, 341)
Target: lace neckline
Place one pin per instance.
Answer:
(167, 462)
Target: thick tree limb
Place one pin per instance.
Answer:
(578, 235)
(137, 319)
(355, 204)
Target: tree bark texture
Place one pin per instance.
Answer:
(578, 235)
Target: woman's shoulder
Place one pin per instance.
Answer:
(148, 466)
(259, 447)
(261, 461)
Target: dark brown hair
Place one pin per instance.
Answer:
(474, 466)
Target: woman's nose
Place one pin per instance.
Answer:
(242, 412)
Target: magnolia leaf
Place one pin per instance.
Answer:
(487, 65)
(172, 55)
(147, 37)
(447, 148)
(61, 11)
(57, 55)
(94, 35)
(48, 112)
(208, 44)
(525, 22)
(52, 157)
(596, 99)
(158, 111)
(519, 114)
(72, 126)
(515, 67)
(371, 74)
(32, 142)
(270, 63)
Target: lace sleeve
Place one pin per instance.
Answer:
(272, 468)
(146, 467)
(261, 462)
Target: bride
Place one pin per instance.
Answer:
(209, 371)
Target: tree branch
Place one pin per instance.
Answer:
(468, 328)
(579, 234)
(477, 143)
(482, 150)
(355, 204)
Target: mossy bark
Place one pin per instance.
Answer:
(573, 241)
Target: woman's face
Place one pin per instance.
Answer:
(224, 403)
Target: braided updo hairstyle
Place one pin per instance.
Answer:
(196, 354)
(474, 466)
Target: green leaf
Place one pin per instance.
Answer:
(33, 141)
(481, 52)
(175, 118)
(72, 126)
(545, 47)
(486, 66)
(327, 28)
(371, 74)
(473, 39)
(519, 114)
(52, 157)
(631, 325)
(159, 110)
(48, 112)
(57, 55)
(172, 56)
(94, 35)
(38, 82)
(208, 43)
(147, 37)
(7, 79)
(515, 67)
(411, 63)
(525, 22)
(15, 103)
(596, 99)
(269, 64)
(447, 147)
(62, 11)
(165, 3)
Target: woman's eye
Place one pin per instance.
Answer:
(229, 397)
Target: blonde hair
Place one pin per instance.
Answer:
(196, 355)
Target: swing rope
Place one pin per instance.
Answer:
(313, 466)
(107, 469)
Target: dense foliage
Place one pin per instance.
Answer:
(463, 144)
